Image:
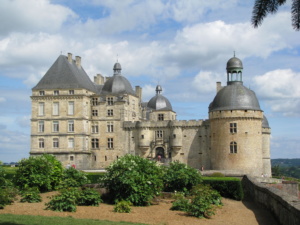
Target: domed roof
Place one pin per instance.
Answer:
(159, 102)
(117, 84)
(235, 96)
(265, 123)
(234, 63)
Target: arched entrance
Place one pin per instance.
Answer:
(159, 153)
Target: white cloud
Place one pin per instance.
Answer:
(281, 90)
(2, 99)
(205, 81)
(32, 15)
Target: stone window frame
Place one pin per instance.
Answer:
(161, 116)
(71, 107)
(95, 143)
(95, 101)
(110, 100)
(55, 143)
(55, 126)
(41, 126)
(55, 109)
(41, 93)
(110, 112)
(71, 125)
(95, 128)
(56, 92)
(71, 92)
(94, 112)
(233, 147)
(41, 109)
(159, 134)
(110, 143)
(233, 128)
(110, 127)
(41, 143)
(71, 142)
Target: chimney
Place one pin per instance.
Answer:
(99, 79)
(138, 92)
(78, 61)
(70, 57)
(219, 86)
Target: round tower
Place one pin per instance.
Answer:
(236, 125)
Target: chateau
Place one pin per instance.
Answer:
(91, 124)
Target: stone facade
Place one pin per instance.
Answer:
(91, 124)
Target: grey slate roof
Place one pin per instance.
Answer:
(233, 97)
(265, 123)
(159, 102)
(65, 75)
(233, 63)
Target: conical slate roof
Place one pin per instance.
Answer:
(65, 75)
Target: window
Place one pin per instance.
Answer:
(110, 100)
(71, 143)
(233, 147)
(71, 92)
(42, 93)
(71, 126)
(55, 143)
(110, 112)
(95, 143)
(110, 143)
(41, 143)
(142, 136)
(94, 112)
(160, 116)
(159, 134)
(55, 126)
(56, 92)
(110, 126)
(71, 158)
(70, 108)
(94, 101)
(55, 111)
(41, 126)
(41, 109)
(233, 128)
(95, 129)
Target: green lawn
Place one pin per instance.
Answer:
(10, 219)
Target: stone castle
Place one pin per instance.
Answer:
(91, 124)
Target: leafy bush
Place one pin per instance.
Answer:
(181, 203)
(74, 178)
(123, 207)
(44, 172)
(31, 195)
(134, 179)
(217, 174)
(7, 195)
(65, 201)
(227, 187)
(89, 197)
(211, 195)
(180, 177)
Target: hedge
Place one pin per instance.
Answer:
(227, 187)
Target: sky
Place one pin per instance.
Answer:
(183, 45)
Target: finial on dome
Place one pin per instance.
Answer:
(233, 53)
(117, 68)
(158, 89)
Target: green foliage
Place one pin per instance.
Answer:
(227, 187)
(95, 178)
(217, 174)
(74, 178)
(181, 203)
(7, 195)
(123, 207)
(89, 197)
(209, 194)
(65, 201)
(44, 172)
(180, 177)
(134, 179)
(31, 195)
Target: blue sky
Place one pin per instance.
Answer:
(183, 45)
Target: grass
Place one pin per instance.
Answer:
(9, 219)
(221, 178)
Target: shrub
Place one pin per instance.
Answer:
(212, 196)
(180, 177)
(65, 201)
(44, 172)
(74, 178)
(31, 195)
(217, 174)
(123, 207)
(89, 197)
(181, 203)
(134, 179)
(7, 196)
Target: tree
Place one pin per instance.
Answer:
(263, 7)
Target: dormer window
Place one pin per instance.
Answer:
(42, 93)
(56, 92)
(71, 92)
(160, 116)
(110, 100)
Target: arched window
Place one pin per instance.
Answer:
(233, 147)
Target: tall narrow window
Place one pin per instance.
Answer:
(71, 143)
(55, 111)
(41, 109)
(233, 128)
(95, 143)
(71, 126)
(233, 147)
(94, 101)
(159, 134)
(160, 116)
(110, 100)
(110, 126)
(110, 143)
(71, 92)
(41, 126)
(70, 108)
(55, 143)
(95, 128)
(56, 92)
(42, 93)
(41, 143)
(110, 112)
(55, 126)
